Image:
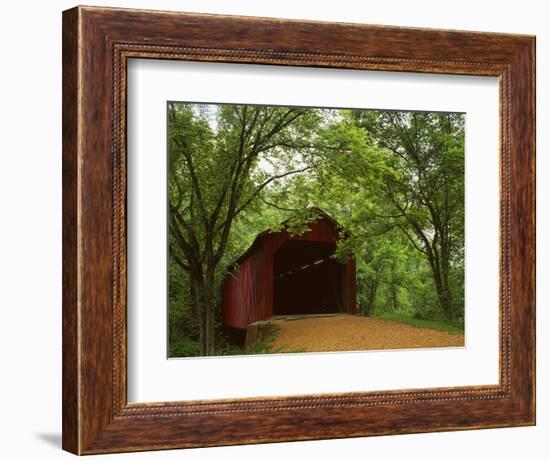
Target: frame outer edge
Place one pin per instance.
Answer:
(524, 141)
(70, 178)
(90, 420)
(522, 190)
(533, 55)
(94, 238)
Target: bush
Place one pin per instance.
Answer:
(183, 347)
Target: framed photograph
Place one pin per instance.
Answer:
(282, 230)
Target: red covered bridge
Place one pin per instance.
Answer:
(283, 274)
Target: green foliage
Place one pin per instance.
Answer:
(184, 342)
(265, 338)
(456, 329)
(183, 346)
(393, 180)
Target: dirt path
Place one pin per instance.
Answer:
(349, 333)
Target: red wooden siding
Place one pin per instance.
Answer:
(248, 293)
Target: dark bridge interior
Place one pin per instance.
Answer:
(306, 279)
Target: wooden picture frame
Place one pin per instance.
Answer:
(97, 43)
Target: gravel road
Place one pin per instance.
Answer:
(352, 333)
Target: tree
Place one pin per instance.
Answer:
(427, 193)
(221, 160)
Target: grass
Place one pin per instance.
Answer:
(186, 347)
(419, 323)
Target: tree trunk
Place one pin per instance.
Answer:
(209, 310)
(394, 287)
(194, 280)
(204, 310)
(441, 280)
(210, 338)
(200, 310)
(205, 332)
(202, 335)
(371, 296)
(445, 296)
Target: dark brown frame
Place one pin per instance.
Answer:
(97, 42)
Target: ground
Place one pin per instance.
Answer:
(349, 332)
